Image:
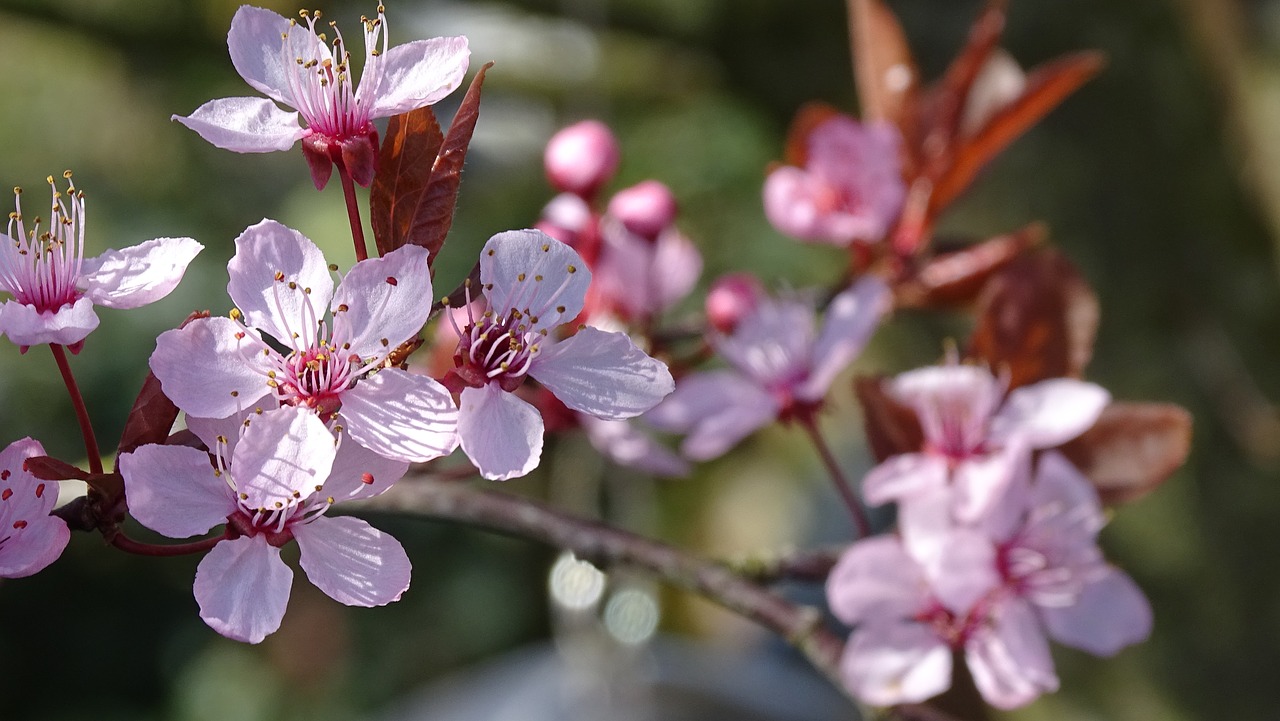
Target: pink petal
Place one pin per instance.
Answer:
(211, 368)
(27, 326)
(1111, 613)
(892, 662)
(963, 570)
(772, 344)
(511, 265)
(501, 434)
(903, 476)
(32, 539)
(875, 580)
(244, 125)
(717, 409)
(138, 275)
(416, 74)
(603, 374)
(33, 547)
(208, 429)
(257, 46)
(852, 317)
(173, 490)
(15, 477)
(925, 522)
(1009, 659)
(981, 481)
(954, 402)
(242, 588)
(1051, 412)
(1058, 482)
(387, 301)
(645, 277)
(271, 273)
(792, 205)
(401, 415)
(283, 456)
(360, 473)
(627, 445)
(353, 562)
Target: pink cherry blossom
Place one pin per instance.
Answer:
(292, 64)
(850, 190)
(531, 284)
(215, 367)
(781, 364)
(637, 277)
(976, 435)
(55, 288)
(270, 483)
(30, 538)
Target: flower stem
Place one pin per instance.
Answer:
(82, 413)
(128, 545)
(353, 212)
(810, 425)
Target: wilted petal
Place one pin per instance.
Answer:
(876, 579)
(361, 473)
(1111, 613)
(603, 374)
(244, 125)
(852, 317)
(280, 281)
(1009, 659)
(1051, 412)
(892, 662)
(903, 476)
(173, 490)
(401, 415)
(242, 588)
(353, 562)
(26, 326)
(211, 368)
(717, 409)
(501, 434)
(529, 271)
(383, 302)
(282, 456)
(416, 74)
(138, 275)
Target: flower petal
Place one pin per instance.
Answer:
(353, 562)
(31, 548)
(501, 434)
(603, 374)
(903, 476)
(383, 302)
(138, 275)
(283, 457)
(416, 74)
(852, 317)
(211, 368)
(875, 579)
(1009, 658)
(280, 281)
(892, 662)
(173, 490)
(244, 125)
(1051, 412)
(981, 481)
(32, 539)
(401, 415)
(27, 326)
(23, 486)
(1111, 613)
(529, 271)
(627, 445)
(242, 588)
(963, 570)
(360, 473)
(717, 409)
(257, 45)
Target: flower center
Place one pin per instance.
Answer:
(314, 377)
(498, 349)
(324, 89)
(41, 269)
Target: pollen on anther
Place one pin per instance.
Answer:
(392, 281)
(19, 525)
(40, 491)
(244, 496)
(342, 308)
(6, 495)
(366, 478)
(490, 252)
(235, 394)
(560, 309)
(279, 276)
(520, 277)
(573, 269)
(385, 342)
(4, 475)
(537, 277)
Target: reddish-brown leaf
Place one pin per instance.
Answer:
(48, 468)
(892, 427)
(956, 278)
(435, 217)
(886, 73)
(1132, 449)
(404, 170)
(1046, 87)
(952, 92)
(1037, 318)
(809, 116)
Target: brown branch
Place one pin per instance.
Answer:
(807, 566)
(512, 515)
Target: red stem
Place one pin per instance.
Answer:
(82, 413)
(128, 545)
(842, 484)
(353, 212)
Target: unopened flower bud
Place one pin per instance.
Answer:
(581, 158)
(646, 208)
(732, 298)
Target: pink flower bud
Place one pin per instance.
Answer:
(646, 208)
(732, 298)
(581, 158)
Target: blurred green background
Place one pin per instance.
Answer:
(1161, 179)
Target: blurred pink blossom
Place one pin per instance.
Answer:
(581, 158)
